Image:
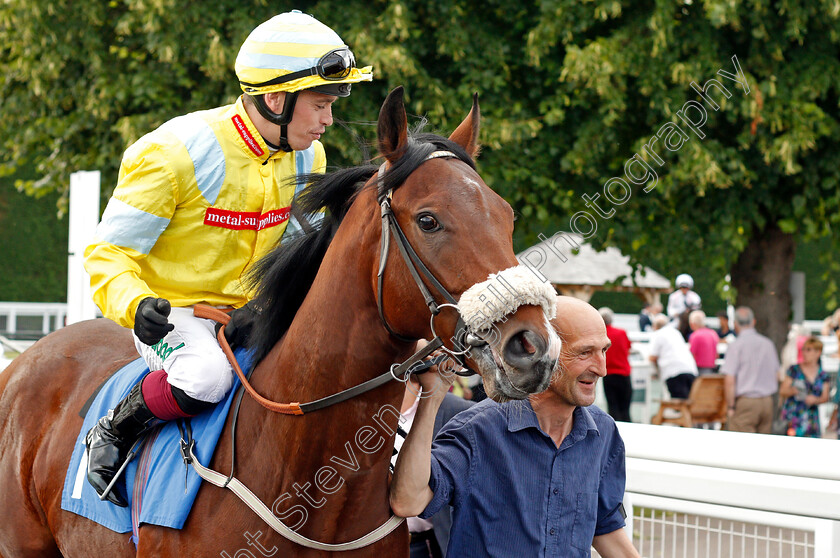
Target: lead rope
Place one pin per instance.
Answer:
(243, 492)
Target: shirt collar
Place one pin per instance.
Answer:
(520, 415)
(247, 136)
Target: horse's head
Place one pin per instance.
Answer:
(461, 232)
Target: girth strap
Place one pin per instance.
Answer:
(257, 506)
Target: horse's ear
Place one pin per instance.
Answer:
(392, 129)
(466, 134)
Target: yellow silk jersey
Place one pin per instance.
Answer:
(198, 201)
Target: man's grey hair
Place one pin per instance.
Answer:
(660, 321)
(697, 318)
(607, 314)
(744, 316)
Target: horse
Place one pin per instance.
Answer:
(330, 319)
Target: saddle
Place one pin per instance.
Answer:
(161, 488)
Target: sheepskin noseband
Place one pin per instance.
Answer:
(501, 294)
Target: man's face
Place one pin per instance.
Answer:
(313, 113)
(582, 360)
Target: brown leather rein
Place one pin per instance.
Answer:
(208, 312)
(413, 365)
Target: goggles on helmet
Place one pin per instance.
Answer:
(333, 66)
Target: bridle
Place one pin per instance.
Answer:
(463, 340)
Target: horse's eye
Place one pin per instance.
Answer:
(428, 223)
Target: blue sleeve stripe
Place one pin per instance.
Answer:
(204, 150)
(128, 227)
(303, 163)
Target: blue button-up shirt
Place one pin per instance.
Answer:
(515, 493)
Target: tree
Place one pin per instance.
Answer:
(755, 172)
(570, 92)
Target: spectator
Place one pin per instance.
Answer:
(618, 388)
(725, 334)
(703, 343)
(429, 537)
(683, 298)
(837, 354)
(832, 422)
(539, 477)
(831, 324)
(750, 367)
(650, 310)
(792, 350)
(805, 386)
(669, 352)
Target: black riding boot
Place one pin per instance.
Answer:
(110, 440)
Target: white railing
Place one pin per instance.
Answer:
(758, 480)
(52, 314)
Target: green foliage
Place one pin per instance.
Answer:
(570, 90)
(34, 247)
(768, 156)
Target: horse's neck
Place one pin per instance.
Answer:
(335, 342)
(336, 339)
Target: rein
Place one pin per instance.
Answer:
(239, 488)
(397, 372)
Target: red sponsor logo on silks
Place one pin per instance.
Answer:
(245, 220)
(246, 135)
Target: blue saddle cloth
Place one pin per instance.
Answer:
(168, 489)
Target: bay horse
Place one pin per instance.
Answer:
(325, 473)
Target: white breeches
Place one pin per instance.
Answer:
(191, 356)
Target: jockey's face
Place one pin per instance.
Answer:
(313, 113)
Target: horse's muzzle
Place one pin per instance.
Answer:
(524, 365)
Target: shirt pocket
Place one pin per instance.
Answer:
(586, 512)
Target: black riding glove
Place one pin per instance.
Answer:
(239, 328)
(150, 323)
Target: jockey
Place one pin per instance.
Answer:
(198, 202)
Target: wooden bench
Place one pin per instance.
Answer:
(706, 404)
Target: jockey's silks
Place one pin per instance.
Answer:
(198, 201)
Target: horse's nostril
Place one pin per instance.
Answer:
(524, 348)
(527, 347)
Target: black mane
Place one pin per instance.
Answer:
(284, 276)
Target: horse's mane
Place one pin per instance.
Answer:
(284, 276)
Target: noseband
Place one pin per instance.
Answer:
(462, 338)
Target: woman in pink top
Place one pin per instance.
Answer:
(703, 343)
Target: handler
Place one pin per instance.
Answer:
(198, 202)
(539, 477)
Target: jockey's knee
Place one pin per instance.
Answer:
(207, 378)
